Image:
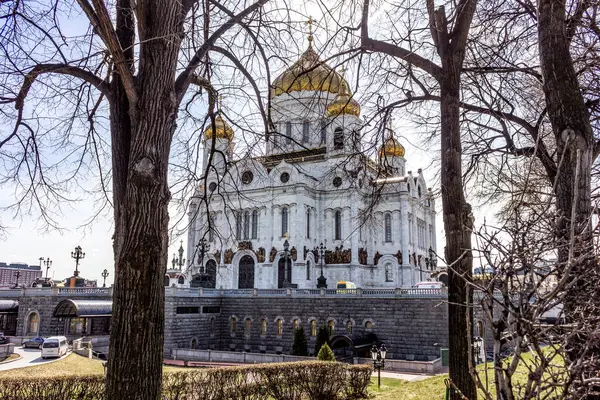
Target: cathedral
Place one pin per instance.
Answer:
(314, 208)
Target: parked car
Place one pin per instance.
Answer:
(3, 339)
(34, 343)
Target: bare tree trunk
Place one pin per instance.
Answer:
(570, 122)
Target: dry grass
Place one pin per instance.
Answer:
(71, 365)
(396, 389)
(11, 357)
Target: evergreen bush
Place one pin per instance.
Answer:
(322, 338)
(326, 354)
(300, 346)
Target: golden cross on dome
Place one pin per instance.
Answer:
(391, 120)
(287, 235)
(310, 29)
(221, 97)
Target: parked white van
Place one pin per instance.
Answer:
(55, 346)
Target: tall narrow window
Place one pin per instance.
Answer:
(279, 327)
(331, 327)
(388, 227)
(263, 327)
(248, 325)
(288, 132)
(308, 270)
(323, 131)
(233, 325)
(284, 221)
(419, 191)
(389, 277)
(212, 325)
(296, 324)
(338, 225)
(255, 224)
(313, 328)
(308, 224)
(238, 225)
(211, 228)
(349, 326)
(246, 225)
(338, 139)
(305, 131)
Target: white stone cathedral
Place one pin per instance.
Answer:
(313, 186)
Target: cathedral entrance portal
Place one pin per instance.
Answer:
(281, 275)
(246, 273)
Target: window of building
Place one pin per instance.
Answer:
(420, 233)
(308, 224)
(211, 309)
(313, 328)
(368, 325)
(323, 131)
(389, 276)
(167, 281)
(255, 224)
(296, 324)
(331, 327)
(233, 324)
(33, 324)
(431, 237)
(388, 227)
(181, 280)
(238, 225)
(279, 327)
(263, 327)
(305, 131)
(77, 326)
(308, 270)
(194, 344)
(338, 139)
(349, 326)
(187, 310)
(246, 225)
(338, 225)
(211, 228)
(419, 190)
(288, 132)
(410, 229)
(248, 325)
(212, 325)
(284, 221)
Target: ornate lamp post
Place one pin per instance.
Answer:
(321, 280)
(203, 248)
(378, 356)
(178, 263)
(104, 276)
(77, 255)
(477, 348)
(47, 264)
(286, 254)
(432, 258)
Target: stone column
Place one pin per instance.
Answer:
(405, 280)
(354, 224)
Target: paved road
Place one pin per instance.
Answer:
(29, 358)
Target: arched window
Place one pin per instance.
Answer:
(313, 328)
(338, 139)
(308, 223)
(279, 327)
(248, 325)
(388, 227)
(255, 224)
(368, 325)
(33, 324)
(349, 326)
(167, 281)
(338, 225)
(419, 191)
(194, 344)
(305, 131)
(389, 276)
(263, 327)
(288, 133)
(296, 324)
(233, 324)
(238, 225)
(211, 228)
(181, 280)
(212, 325)
(331, 327)
(246, 225)
(284, 221)
(323, 131)
(308, 270)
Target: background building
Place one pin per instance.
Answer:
(18, 274)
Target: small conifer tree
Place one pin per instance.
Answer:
(322, 338)
(300, 346)
(325, 354)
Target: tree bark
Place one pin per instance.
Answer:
(572, 130)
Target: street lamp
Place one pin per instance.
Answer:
(378, 356)
(77, 255)
(432, 258)
(477, 347)
(17, 275)
(104, 276)
(322, 281)
(203, 247)
(47, 264)
(286, 254)
(178, 263)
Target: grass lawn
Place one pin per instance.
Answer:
(72, 364)
(395, 389)
(10, 357)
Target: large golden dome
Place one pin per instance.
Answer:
(309, 73)
(391, 148)
(222, 131)
(343, 103)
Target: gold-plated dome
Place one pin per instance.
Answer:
(222, 131)
(343, 103)
(391, 148)
(309, 73)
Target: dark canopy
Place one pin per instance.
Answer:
(356, 341)
(9, 306)
(83, 308)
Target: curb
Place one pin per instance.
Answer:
(9, 361)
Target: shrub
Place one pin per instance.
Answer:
(358, 380)
(322, 338)
(325, 354)
(323, 380)
(300, 346)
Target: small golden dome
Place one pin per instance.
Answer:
(309, 73)
(343, 104)
(223, 130)
(391, 148)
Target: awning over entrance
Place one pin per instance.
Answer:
(356, 341)
(83, 308)
(9, 306)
